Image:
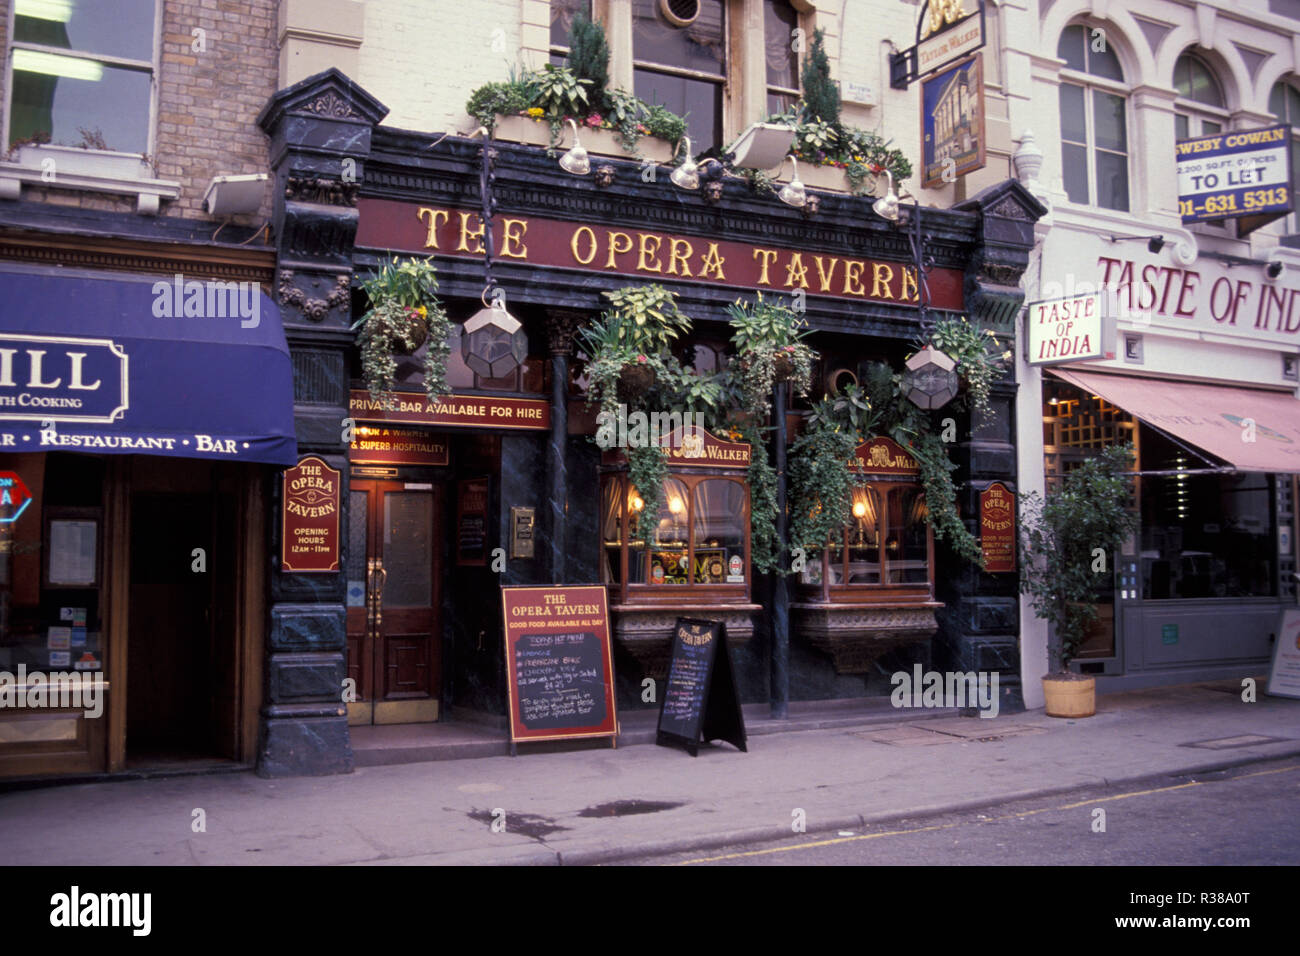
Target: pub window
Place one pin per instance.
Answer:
(1094, 119)
(680, 61)
(83, 74)
(780, 20)
(697, 542)
(562, 13)
(887, 548)
(1284, 104)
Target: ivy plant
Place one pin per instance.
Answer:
(766, 335)
(403, 308)
(980, 359)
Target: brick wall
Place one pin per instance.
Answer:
(208, 101)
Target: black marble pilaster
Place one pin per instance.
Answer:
(320, 131)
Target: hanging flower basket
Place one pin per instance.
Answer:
(417, 331)
(635, 380)
(783, 365)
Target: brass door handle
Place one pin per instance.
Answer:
(370, 597)
(379, 594)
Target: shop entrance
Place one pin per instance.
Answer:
(182, 654)
(394, 651)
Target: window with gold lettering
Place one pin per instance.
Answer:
(699, 537)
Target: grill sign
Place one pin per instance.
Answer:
(309, 513)
(61, 379)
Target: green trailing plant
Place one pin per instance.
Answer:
(764, 549)
(1066, 541)
(821, 484)
(768, 338)
(404, 312)
(981, 361)
(506, 98)
(651, 319)
(663, 123)
(913, 429)
(821, 97)
(647, 470)
(862, 154)
(589, 57)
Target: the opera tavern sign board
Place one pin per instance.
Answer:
(647, 254)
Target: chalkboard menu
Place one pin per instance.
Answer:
(558, 661)
(700, 700)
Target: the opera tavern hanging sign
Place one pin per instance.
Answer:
(647, 254)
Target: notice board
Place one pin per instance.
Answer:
(559, 668)
(1284, 676)
(700, 700)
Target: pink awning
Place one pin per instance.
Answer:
(1215, 418)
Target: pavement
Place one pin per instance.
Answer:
(591, 804)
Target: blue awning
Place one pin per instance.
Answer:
(141, 365)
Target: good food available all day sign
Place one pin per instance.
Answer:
(1244, 174)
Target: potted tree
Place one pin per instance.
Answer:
(1066, 539)
(404, 313)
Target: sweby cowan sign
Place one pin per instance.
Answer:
(1244, 174)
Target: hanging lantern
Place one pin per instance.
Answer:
(931, 379)
(493, 343)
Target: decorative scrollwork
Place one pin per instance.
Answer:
(331, 192)
(315, 309)
(331, 104)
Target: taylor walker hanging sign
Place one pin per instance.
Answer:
(387, 224)
(309, 517)
(1243, 174)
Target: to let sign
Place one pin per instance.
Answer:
(1243, 174)
(309, 517)
(998, 528)
(1071, 329)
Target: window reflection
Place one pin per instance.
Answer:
(719, 515)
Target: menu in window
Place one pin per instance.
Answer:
(72, 553)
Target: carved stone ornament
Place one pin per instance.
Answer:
(561, 327)
(331, 104)
(314, 309)
(329, 192)
(647, 633)
(1008, 208)
(855, 636)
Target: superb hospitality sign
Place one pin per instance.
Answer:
(1244, 174)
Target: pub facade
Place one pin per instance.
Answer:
(500, 482)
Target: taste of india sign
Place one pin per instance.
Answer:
(391, 225)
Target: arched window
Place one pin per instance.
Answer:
(1201, 110)
(1094, 119)
(1284, 104)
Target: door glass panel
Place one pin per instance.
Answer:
(356, 560)
(408, 549)
(611, 530)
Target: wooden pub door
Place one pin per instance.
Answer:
(394, 637)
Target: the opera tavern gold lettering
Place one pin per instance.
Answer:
(624, 250)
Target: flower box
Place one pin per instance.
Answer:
(831, 178)
(598, 142)
(99, 163)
